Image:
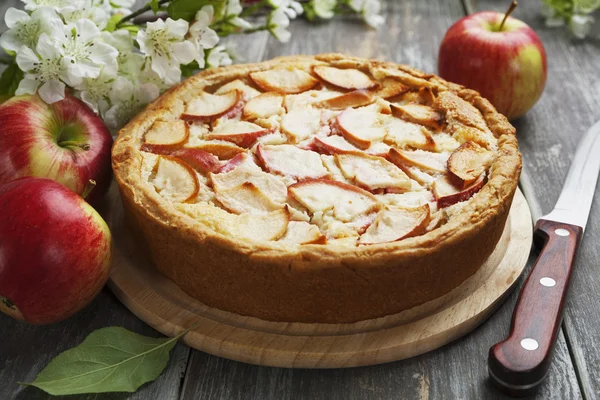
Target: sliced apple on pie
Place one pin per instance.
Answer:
(164, 136)
(303, 233)
(174, 180)
(208, 107)
(248, 91)
(447, 193)
(346, 201)
(396, 223)
(200, 160)
(372, 172)
(355, 98)
(334, 144)
(349, 79)
(289, 160)
(284, 80)
(360, 127)
(301, 123)
(419, 114)
(267, 226)
(241, 133)
(263, 106)
(404, 134)
(468, 162)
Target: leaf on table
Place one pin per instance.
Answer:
(9, 82)
(110, 359)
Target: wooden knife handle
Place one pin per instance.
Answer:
(519, 364)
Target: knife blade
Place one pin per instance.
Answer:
(519, 364)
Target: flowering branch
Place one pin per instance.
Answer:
(574, 13)
(101, 52)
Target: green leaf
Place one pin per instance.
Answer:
(110, 359)
(154, 6)
(190, 69)
(187, 9)
(9, 82)
(111, 25)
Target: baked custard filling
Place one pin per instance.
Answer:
(321, 156)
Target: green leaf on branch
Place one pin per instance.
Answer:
(9, 82)
(190, 69)
(154, 6)
(110, 359)
(187, 9)
(111, 25)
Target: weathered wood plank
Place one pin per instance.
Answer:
(548, 136)
(25, 350)
(411, 35)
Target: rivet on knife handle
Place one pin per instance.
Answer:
(520, 363)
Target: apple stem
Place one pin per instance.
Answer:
(69, 143)
(89, 186)
(511, 8)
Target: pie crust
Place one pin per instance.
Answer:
(222, 248)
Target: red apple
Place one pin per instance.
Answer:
(55, 251)
(505, 61)
(64, 141)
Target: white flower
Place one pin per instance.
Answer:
(324, 8)
(57, 5)
(369, 10)
(95, 91)
(580, 25)
(290, 7)
(201, 35)
(278, 22)
(128, 62)
(49, 69)
(164, 42)
(147, 75)
(87, 10)
(234, 8)
(81, 47)
(127, 100)
(218, 56)
(25, 30)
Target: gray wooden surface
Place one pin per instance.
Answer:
(548, 136)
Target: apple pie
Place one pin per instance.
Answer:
(324, 188)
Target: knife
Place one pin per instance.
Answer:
(519, 364)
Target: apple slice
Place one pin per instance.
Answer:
(396, 223)
(283, 80)
(289, 160)
(419, 114)
(261, 227)
(334, 144)
(404, 134)
(235, 162)
(241, 133)
(198, 159)
(425, 160)
(371, 172)
(423, 96)
(299, 124)
(174, 180)
(207, 107)
(165, 135)
(272, 187)
(468, 162)
(379, 149)
(389, 88)
(360, 127)
(248, 91)
(223, 150)
(355, 98)
(303, 233)
(346, 201)
(263, 106)
(350, 79)
(245, 198)
(447, 194)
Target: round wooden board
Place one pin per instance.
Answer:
(160, 303)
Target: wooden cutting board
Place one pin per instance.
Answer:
(161, 304)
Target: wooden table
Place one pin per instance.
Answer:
(548, 135)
